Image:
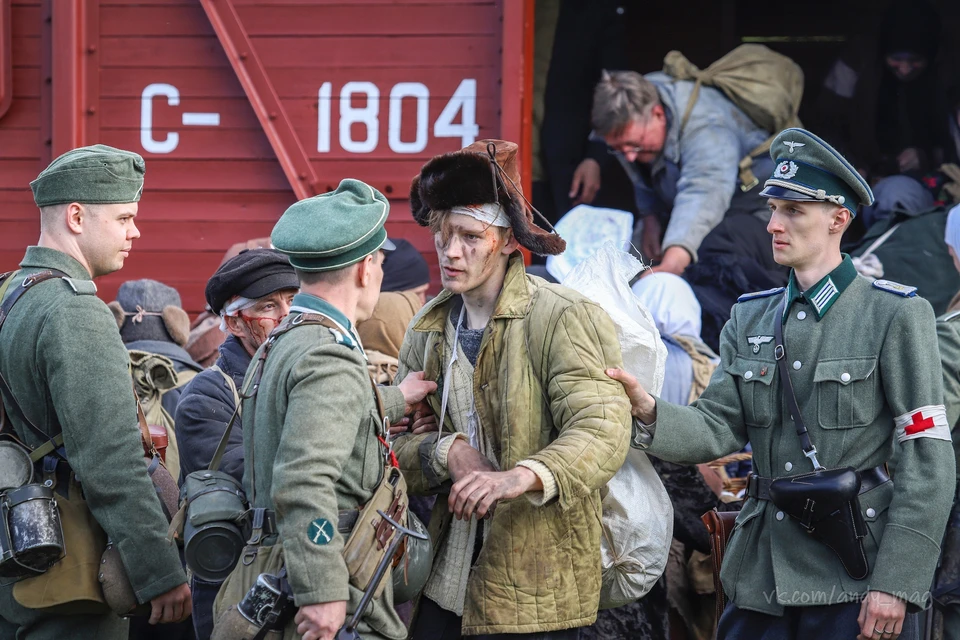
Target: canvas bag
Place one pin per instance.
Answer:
(154, 375)
(764, 84)
(637, 520)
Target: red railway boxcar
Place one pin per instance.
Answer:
(240, 107)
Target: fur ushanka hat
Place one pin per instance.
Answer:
(485, 172)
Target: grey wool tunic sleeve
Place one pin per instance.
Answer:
(102, 439)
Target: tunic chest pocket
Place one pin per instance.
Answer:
(757, 394)
(847, 392)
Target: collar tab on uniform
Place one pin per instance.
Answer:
(307, 303)
(822, 295)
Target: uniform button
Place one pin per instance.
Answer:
(748, 375)
(779, 515)
(871, 512)
(788, 466)
(796, 364)
(801, 315)
(844, 377)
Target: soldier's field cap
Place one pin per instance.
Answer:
(91, 175)
(334, 230)
(807, 168)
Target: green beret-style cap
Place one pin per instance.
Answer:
(91, 175)
(810, 169)
(333, 230)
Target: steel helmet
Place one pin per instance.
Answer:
(411, 570)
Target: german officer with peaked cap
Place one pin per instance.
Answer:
(66, 369)
(863, 361)
(311, 430)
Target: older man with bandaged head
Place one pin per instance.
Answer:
(251, 293)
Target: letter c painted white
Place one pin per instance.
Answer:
(147, 141)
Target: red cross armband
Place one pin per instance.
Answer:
(925, 422)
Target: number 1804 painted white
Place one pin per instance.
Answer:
(462, 102)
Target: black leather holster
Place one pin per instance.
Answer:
(825, 501)
(826, 505)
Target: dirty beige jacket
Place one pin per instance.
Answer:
(541, 395)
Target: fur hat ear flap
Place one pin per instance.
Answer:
(117, 312)
(177, 323)
(421, 212)
(529, 235)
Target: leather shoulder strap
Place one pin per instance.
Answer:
(145, 436)
(789, 395)
(222, 445)
(253, 384)
(49, 445)
(322, 320)
(25, 286)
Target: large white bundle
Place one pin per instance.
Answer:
(637, 513)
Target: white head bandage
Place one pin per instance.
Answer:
(490, 213)
(232, 308)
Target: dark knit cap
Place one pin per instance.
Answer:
(404, 268)
(253, 273)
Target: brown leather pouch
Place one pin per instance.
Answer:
(719, 525)
(368, 542)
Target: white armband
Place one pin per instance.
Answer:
(925, 422)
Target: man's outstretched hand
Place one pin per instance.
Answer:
(642, 405)
(415, 389)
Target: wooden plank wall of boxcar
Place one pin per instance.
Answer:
(21, 149)
(213, 180)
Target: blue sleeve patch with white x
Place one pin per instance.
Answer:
(320, 532)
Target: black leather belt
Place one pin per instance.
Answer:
(759, 487)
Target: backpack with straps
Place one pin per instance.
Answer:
(764, 84)
(153, 376)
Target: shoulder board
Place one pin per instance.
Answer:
(949, 317)
(760, 294)
(345, 340)
(895, 287)
(81, 287)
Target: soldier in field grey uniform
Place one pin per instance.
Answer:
(863, 360)
(67, 369)
(310, 433)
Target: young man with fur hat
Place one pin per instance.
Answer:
(251, 293)
(67, 395)
(834, 370)
(532, 428)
